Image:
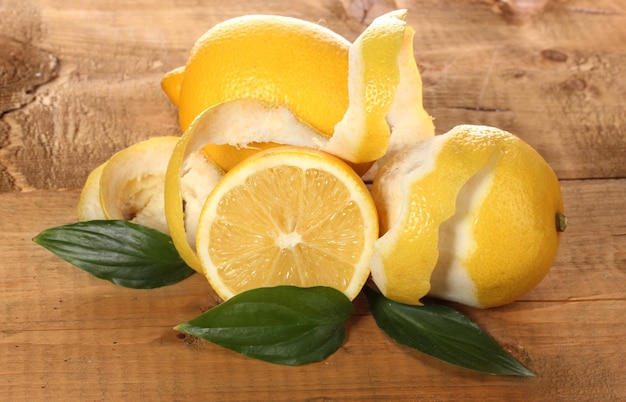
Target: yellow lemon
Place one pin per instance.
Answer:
(274, 59)
(131, 185)
(288, 216)
(171, 83)
(219, 125)
(89, 207)
(350, 92)
(473, 216)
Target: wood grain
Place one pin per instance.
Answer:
(550, 71)
(68, 334)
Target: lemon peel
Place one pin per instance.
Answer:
(171, 84)
(407, 251)
(131, 184)
(89, 206)
(512, 226)
(363, 134)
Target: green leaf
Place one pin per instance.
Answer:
(284, 325)
(443, 333)
(122, 252)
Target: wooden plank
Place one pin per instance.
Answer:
(548, 71)
(68, 335)
(552, 77)
(592, 247)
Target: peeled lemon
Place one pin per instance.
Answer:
(273, 59)
(131, 185)
(288, 216)
(353, 96)
(468, 216)
(89, 207)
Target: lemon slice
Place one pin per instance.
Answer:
(467, 216)
(288, 216)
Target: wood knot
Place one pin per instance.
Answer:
(554, 55)
(575, 84)
(519, 11)
(23, 68)
(365, 11)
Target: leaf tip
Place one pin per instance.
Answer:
(525, 372)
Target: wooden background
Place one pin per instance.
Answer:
(79, 80)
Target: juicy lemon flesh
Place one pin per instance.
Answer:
(309, 234)
(288, 216)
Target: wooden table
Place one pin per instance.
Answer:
(79, 80)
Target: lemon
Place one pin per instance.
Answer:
(288, 216)
(89, 207)
(219, 125)
(468, 216)
(350, 93)
(274, 59)
(131, 185)
(171, 83)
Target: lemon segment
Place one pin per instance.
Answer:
(288, 216)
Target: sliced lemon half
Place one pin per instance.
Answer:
(288, 216)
